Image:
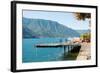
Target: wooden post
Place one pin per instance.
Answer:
(71, 47)
(68, 48)
(64, 49)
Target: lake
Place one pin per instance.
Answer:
(30, 53)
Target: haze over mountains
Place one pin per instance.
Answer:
(83, 31)
(37, 28)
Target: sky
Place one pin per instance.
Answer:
(65, 18)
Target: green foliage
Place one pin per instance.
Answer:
(86, 37)
(82, 16)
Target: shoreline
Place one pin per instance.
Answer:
(85, 52)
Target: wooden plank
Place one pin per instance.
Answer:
(52, 45)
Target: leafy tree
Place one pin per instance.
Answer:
(82, 16)
(86, 37)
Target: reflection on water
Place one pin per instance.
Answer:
(30, 53)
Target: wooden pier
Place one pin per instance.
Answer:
(65, 45)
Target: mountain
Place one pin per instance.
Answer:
(36, 28)
(82, 31)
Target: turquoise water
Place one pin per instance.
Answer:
(30, 53)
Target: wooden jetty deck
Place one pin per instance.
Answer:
(65, 45)
(84, 53)
(57, 44)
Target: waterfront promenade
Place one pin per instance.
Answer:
(85, 52)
